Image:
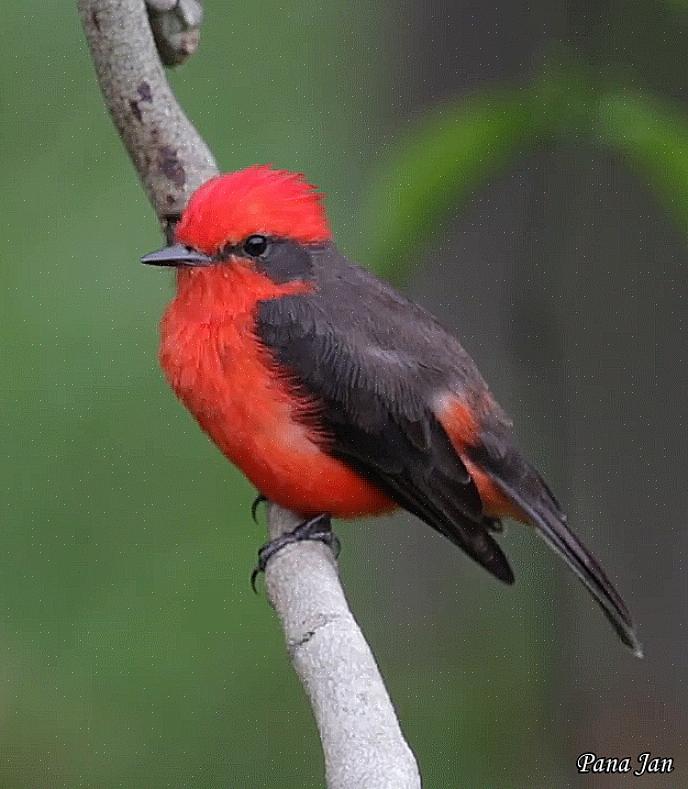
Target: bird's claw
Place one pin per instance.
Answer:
(494, 525)
(259, 499)
(318, 528)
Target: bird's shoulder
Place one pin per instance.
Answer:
(353, 319)
(378, 368)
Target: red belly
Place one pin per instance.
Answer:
(228, 381)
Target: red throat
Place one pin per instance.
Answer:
(257, 200)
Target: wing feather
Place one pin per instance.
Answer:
(373, 400)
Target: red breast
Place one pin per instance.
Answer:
(229, 382)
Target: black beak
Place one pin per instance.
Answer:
(177, 255)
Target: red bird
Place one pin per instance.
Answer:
(333, 393)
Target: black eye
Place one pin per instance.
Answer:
(255, 246)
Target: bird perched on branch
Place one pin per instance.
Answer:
(334, 394)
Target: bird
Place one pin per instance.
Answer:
(336, 395)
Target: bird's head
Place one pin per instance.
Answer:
(258, 217)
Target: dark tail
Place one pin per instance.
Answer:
(533, 496)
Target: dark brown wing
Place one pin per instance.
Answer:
(375, 394)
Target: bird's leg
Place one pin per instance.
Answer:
(318, 528)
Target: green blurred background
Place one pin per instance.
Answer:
(522, 169)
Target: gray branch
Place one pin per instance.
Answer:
(169, 155)
(362, 742)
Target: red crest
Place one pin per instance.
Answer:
(257, 200)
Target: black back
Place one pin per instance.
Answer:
(375, 363)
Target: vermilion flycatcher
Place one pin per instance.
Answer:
(333, 393)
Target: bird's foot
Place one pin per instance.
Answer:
(318, 528)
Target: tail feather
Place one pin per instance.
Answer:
(541, 507)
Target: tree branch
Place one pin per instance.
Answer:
(360, 734)
(169, 155)
(361, 738)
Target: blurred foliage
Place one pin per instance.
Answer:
(432, 171)
(652, 136)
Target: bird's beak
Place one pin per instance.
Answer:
(177, 255)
